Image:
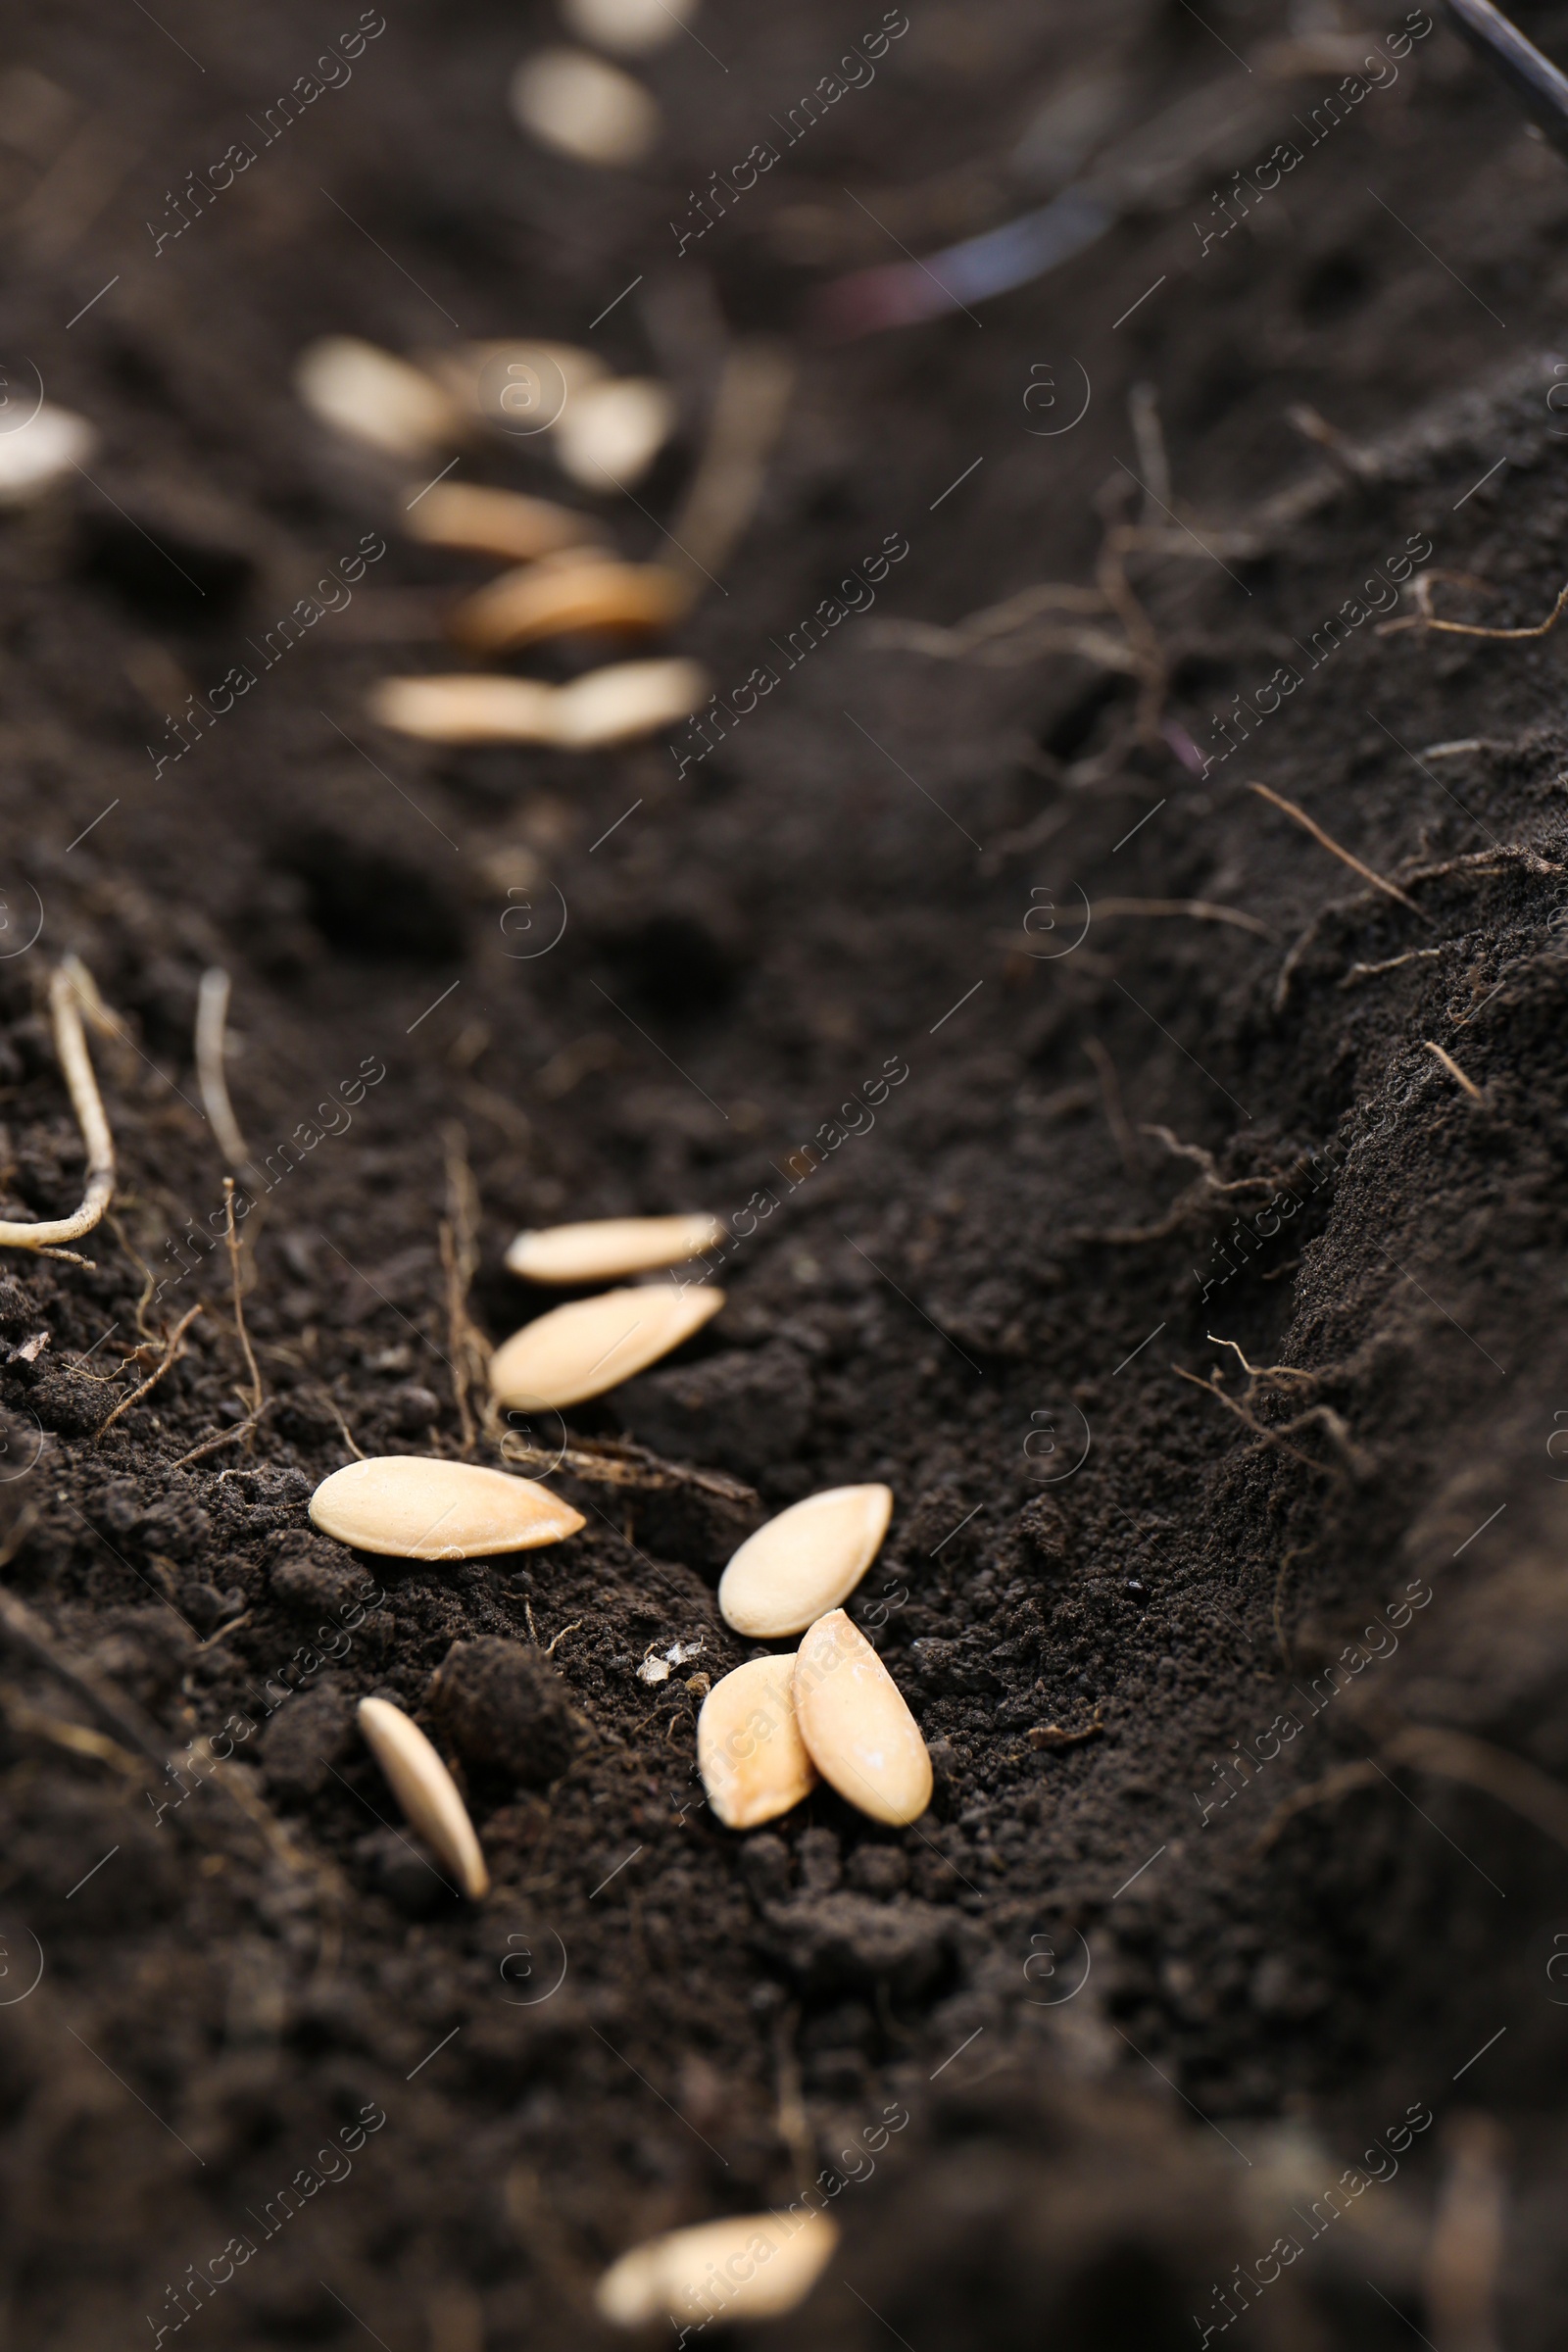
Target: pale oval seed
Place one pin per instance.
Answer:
(45, 450)
(749, 1747)
(803, 1562)
(606, 1248)
(576, 103)
(631, 26)
(857, 1728)
(747, 2267)
(363, 391)
(611, 433)
(425, 1790)
(623, 701)
(580, 1351)
(526, 606)
(415, 1507)
(497, 522)
(465, 709)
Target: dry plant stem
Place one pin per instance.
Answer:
(459, 1258)
(211, 1015)
(1468, 2229)
(1453, 1068)
(225, 1437)
(1374, 972)
(1200, 909)
(1425, 619)
(1262, 1371)
(234, 1268)
(173, 1350)
(1390, 890)
(748, 411)
(70, 986)
(1111, 1097)
(1270, 1437)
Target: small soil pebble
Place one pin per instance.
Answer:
(505, 1709)
(744, 1411)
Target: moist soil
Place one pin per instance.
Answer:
(1195, 1279)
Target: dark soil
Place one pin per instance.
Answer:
(1263, 1725)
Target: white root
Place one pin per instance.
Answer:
(70, 989)
(211, 1015)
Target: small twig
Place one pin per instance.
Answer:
(224, 1436)
(1143, 408)
(336, 1410)
(575, 1627)
(1389, 889)
(1200, 910)
(171, 1351)
(1110, 1095)
(234, 1268)
(1425, 619)
(1374, 972)
(70, 988)
(1453, 1070)
(1262, 1371)
(460, 1256)
(1270, 1437)
(1052, 1736)
(211, 1015)
(748, 411)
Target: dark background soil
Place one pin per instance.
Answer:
(1006, 1264)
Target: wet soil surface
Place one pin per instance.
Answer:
(1195, 1279)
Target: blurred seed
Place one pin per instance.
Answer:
(580, 1351)
(568, 100)
(857, 1728)
(626, 700)
(607, 705)
(747, 2267)
(803, 1562)
(557, 600)
(416, 1507)
(425, 1790)
(631, 26)
(610, 433)
(366, 392)
(497, 522)
(608, 1247)
(749, 1747)
(50, 445)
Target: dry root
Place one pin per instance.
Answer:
(71, 991)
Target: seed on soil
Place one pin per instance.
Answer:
(803, 1562)
(413, 1506)
(631, 26)
(748, 2265)
(857, 1727)
(580, 1351)
(42, 451)
(540, 601)
(366, 392)
(497, 522)
(608, 1247)
(628, 698)
(749, 1747)
(611, 433)
(607, 705)
(573, 102)
(425, 1790)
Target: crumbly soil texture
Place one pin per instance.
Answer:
(1168, 1205)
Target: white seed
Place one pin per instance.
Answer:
(631, 26)
(749, 1747)
(416, 1507)
(497, 522)
(41, 451)
(558, 600)
(610, 433)
(427, 1791)
(610, 1248)
(748, 2265)
(568, 100)
(606, 706)
(803, 1562)
(628, 698)
(857, 1728)
(366, 392)
(580, 1351)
